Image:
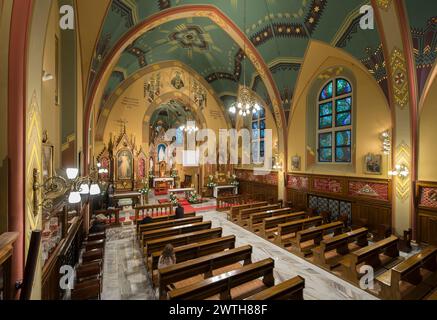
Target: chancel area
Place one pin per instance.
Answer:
(218, 150)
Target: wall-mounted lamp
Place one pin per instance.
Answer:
(57, 186)
(386, 142)
(401, 171)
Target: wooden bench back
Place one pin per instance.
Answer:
(235, 211)
(298, 225)
(246, 213)
(198, 249)
(180, 240)
(359, 235)
(288, 290)
(409, 269)
(153, 210)
(273, 222)
(222, 284)
(173, 231)
(318, 232)
(259, 217)
(388, 244)
(168, 224)
(203, 265)
(170, 217)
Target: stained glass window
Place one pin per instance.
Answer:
(343, 87)
(258, 135)
(335, 122)
(327, 92)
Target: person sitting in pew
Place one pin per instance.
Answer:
(180, 212)
(98, 224)
(167, 258)
(147, 219)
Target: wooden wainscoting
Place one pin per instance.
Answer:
(426, 204)
(261, 187)
(367, 200)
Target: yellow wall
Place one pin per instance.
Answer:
(427, 137)
(371, 108)
(50, 111)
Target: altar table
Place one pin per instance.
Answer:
(218, 188)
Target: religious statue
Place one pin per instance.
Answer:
(161, 153)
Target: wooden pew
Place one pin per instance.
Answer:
(165, 218)
(256, 220)
(92, 256)
(288, 290)
(173, 231)
(235, 211)
(270, 225)
(183, 239)
(310, 238)
(374, 255)
(89, 271)
(201, 266)
(412, 279)
(167, 224)
(225, 285)
(224, 203)
(96, 236)
(192, 251)
(244, 214)
(153, 210)
(88, 290)
(341, 244)
(287, 231)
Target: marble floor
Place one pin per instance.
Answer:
(125, 277)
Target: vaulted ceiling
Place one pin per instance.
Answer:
(279, 29)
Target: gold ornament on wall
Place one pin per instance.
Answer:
(399, 77)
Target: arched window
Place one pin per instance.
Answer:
(334, 122)
(258, 123)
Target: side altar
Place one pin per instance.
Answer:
(126, 163)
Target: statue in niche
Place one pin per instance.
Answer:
(151, 164)
(161, 153)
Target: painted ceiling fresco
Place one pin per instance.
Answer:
(279, 29)
(170, 115)
(422, 15)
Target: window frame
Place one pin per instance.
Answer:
(334, 129)
(259, 138)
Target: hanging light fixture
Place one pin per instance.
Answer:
(246, 104)
(190, 127)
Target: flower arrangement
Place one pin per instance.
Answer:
(234, 182)
(194, 197)
(151, 175)
(174, 174)
(173, 199)
(211, 183)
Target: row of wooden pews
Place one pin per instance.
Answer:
(209, 265)
(89, 274)
(344, 252)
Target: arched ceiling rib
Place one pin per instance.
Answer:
(279, 29)
(422, 15)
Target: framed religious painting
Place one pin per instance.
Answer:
(47, 161)
(295, 163)
(373, 164)
(124, 165)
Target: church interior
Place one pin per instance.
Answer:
(218, 150)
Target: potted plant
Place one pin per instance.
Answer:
(144, 195)
(173, 199)
(211, 182)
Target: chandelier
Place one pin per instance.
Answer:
(189, 127)
(246, 103)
